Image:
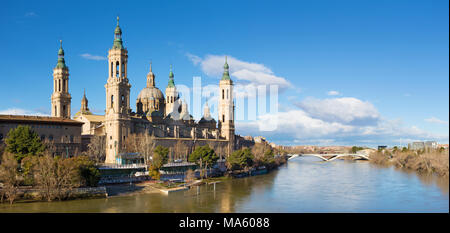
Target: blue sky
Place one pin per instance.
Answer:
(351, 72)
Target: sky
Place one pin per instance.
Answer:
(361, 73)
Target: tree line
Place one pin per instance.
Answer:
(28, 161)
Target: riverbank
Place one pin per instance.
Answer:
(29, 194)
(431, 162)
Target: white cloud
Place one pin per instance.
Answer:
(251, 73)
(30, 14)
(18, 111)
(92, 57)
(343, 110)
(436, 120)
(332, 93)
(194, 58)
(298, 127)
(339, 121)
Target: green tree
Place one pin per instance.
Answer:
(356, 148)
(160, 156)
(269, 159)
(240, 159)
(22, 142)
(395, 149)
(87, 172)
(203, 156)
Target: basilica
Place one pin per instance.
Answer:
(163, 116)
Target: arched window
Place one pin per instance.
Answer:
(64, 85)
(223, 94)
(227, 93)
(223, 118)
(59, 85)
(117, 69)
(112, 101)
(123, 70)
(56, 112)
(112, 68)
(123, 100)
(64, 109)
(56, 86)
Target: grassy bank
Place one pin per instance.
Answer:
(432, 161)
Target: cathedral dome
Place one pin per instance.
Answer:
(151, 93)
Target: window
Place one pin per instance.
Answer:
(71, 138)
(123, 100)
(227, 94)
(123, 70)
(42, 137)
(112, 101)
(117, 69)
(112, 67)
(50, 137)
(64, 85)
(59, 85)
(223, 118)
(223, 94)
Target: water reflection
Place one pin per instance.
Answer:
(303, 185)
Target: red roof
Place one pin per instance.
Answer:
(38, 119)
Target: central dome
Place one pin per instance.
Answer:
(150, 93)
(150, 102)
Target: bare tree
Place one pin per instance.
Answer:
(54, 177)
(179, 149)
(10, 176)
(147, 146)
(97, 149)
(190, 176)
(44, 176)
(132, 143)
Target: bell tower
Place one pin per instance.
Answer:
(226, 107)
(61, 98)
(171, 94)
(117, 113)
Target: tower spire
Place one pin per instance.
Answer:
(171, 81)
(226, 73)
(150, 77)
(118, 36)
(84, 102)
(61, 62)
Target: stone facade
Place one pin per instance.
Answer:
(166, 118)
(63, 133)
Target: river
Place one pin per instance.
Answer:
(303, 185)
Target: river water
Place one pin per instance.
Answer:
(303, 185)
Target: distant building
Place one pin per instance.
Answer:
(423, 145)
(382, 147)
(431, 145)
(260, 139)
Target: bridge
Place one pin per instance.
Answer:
(331, 157)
